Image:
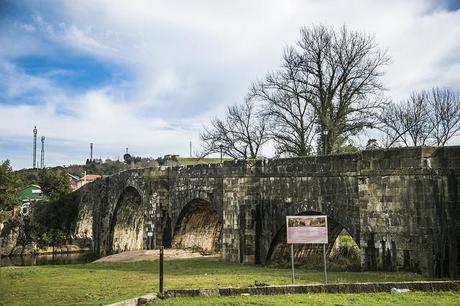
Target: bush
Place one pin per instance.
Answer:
(49, 219)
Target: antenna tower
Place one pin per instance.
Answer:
(42, 155)
(91, 152)
(34, 154)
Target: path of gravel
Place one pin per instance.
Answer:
(147, 255)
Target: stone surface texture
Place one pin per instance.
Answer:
(400, 205)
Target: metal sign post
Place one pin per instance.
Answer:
(307, 230)
(292, 263)
(324, 260)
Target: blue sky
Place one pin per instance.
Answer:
(149, 74)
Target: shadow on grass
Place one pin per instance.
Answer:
(179, 266)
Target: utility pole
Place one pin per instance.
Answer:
(42, 156)
(190, 148)
(34, 154)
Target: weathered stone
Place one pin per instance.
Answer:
(401, 206)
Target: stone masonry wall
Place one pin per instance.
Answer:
(400, 205)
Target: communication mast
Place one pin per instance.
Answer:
(34, 154)
(42, 156)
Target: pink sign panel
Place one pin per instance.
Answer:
(306, 229)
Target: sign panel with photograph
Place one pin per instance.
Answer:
(306, 229)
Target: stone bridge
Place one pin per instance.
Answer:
(401, 206)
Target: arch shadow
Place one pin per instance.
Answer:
(198, 227)
(280, 249)
(127, 222)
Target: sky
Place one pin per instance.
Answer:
(148, 75)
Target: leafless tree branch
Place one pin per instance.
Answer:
(241, 134)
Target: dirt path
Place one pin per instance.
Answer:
(147, 255)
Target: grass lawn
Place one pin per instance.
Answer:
(407, 299)
(100, 283)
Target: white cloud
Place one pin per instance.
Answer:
(74, 36)
(16, 82)
(111, 125)
(188, 60)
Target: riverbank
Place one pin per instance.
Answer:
(33, 249)
(48, 259)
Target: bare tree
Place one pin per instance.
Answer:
(407, 122)
(416, 119)
(427, 117)
(444, 114)
(241, 134)
(290, 116)
(346, 67)
(391, 125)
(335, 78)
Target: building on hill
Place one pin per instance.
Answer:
(32, 193)
(29, 196)
(88, 178)
(73, 181)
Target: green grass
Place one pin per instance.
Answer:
(407, 299)
(99, 283)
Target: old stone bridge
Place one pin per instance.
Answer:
(401, 206)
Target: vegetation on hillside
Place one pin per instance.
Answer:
(9, 185)
(51, 221)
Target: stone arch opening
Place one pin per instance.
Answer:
(126, 226)
(341, 243)
(198, 227)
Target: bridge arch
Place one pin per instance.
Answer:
(272, 218)
(127, 222)
(279, 248)
(198, 227)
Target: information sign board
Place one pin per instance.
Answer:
(306, 229)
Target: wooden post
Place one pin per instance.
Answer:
(161, 269)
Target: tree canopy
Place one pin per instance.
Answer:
(54, 184)
(9, 184)
(328, 88)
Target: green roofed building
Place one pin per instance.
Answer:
(30, 195)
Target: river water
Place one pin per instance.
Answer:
(57, 259)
